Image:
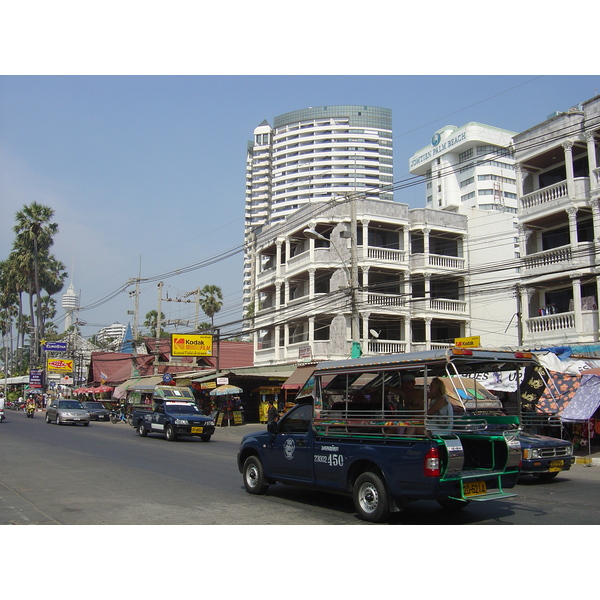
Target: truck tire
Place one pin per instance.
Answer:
(254, 477)
(206, 437)
(371, 498)
(170, 433)
(141, 429)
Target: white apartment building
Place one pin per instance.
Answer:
(470, 170)
(558, 181)
(378, 275)
(468, 167)
(310, 156)
(113, 335)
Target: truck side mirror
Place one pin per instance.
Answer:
(272, 427)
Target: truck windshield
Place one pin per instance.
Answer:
(180, 408)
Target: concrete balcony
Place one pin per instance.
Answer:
(385, 256)
(380, 346)
(440, 306)
(554, 197)
(385, 300)
(560, 328)
(560, 259)
(436, 262)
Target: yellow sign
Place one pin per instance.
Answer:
(60, 365)
(191, 344)
(470, 342)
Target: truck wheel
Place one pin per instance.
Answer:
(254, 477)
(371, 498)
(170, 433)
(205, 438)
(142, 431)
(47, 418)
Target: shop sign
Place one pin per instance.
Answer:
(469, 342)
(59, 365)
(36, 378)
(55, 346)
(191, 345)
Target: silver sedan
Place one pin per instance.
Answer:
(67, 411)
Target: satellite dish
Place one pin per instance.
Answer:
(374, 333)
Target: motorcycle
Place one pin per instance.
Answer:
(30, 410)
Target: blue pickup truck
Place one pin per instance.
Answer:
(385, 456)
(174, 413)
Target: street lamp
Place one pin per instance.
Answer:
(352, 276)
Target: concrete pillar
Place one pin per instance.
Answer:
(577, 304)
(568, 148)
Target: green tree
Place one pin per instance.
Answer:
(152, 321)
(35, 232)
(211, 302)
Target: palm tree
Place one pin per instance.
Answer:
(211, 301)
(152, 321)
(35, 233)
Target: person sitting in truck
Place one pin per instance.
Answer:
(412, 399)
(440, 407)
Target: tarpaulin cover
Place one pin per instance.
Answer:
(559, 392)
(585, 401)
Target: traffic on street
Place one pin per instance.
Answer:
(106, 474)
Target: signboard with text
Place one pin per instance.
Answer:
(191, 344)
(55, 346)
(59, 365)
(36, 378)
(469, 342)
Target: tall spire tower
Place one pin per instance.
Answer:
(70, 302)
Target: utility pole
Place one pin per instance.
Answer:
(356, 350)
(157, 349)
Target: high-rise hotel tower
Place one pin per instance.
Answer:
(314, 155)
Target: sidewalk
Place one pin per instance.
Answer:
(588, 456)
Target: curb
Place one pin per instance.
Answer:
(587, 461)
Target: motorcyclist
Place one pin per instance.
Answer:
(30, 408)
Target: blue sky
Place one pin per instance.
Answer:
(146, 174)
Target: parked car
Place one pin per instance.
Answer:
(67, 411)
(97, 410)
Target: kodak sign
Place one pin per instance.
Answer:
(191, 345)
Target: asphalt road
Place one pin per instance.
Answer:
(105, 474)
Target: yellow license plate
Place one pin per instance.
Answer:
(474, 488)
(197, 429)
(556, 465)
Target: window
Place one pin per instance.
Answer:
(299, 421)
(465, 155)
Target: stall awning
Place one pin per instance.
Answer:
(586, 400)
(299, 377)
(145, 384)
